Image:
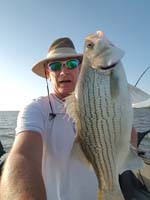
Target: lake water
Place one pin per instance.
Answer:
(8, 124)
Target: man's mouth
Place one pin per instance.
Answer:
(64, 81)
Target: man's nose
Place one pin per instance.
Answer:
(64, 69)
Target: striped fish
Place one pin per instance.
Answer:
(102, 111)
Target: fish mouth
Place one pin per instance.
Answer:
(108, 67)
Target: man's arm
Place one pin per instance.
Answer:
(22, 175)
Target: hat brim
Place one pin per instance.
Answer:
(39, 67)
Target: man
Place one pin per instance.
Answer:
(40, 166)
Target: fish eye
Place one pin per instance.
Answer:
(90, 45)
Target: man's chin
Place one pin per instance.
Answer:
(65, 93)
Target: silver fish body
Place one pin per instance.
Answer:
(103, 115)
(105, 125)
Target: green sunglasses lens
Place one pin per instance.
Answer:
(72, 64)
(55, 66)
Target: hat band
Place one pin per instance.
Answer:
(61, 51)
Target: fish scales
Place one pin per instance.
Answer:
(91, 124)
(102, 113)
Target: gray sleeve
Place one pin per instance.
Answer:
(31, 118)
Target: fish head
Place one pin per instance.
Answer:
(100, 52)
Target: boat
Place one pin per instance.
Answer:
(132, 183)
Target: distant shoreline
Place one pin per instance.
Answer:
(9, 110)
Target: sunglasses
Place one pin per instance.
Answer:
(70, 64)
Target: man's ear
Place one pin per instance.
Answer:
(47, 72)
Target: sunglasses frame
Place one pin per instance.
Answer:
(62, 63)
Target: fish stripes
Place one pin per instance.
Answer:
(91, 124)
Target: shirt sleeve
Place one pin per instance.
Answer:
(31, 118)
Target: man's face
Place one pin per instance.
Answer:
(64, 79)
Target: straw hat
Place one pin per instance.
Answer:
(60, 48)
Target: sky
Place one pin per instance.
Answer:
(28, 27)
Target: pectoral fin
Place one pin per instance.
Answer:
(114, 85)
(70, 106)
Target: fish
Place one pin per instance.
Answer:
(102, 112)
